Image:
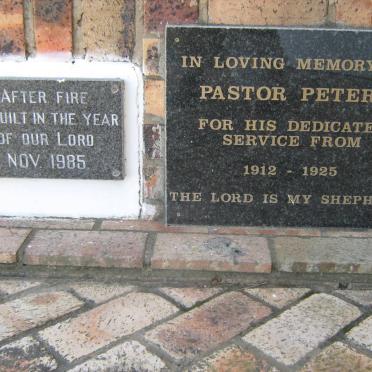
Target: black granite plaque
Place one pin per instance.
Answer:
(269, 126)
(61, 129)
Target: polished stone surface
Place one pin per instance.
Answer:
(61, 128)
(269, 126)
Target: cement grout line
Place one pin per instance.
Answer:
(149, 249)
(22, 248)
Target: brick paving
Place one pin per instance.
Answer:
(68, 325)
(135, 245)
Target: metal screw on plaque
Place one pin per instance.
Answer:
(177, 39)
(115, 88)
(116, 173)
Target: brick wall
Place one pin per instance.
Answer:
(115, 30)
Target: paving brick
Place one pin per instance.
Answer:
(362, 297)
(214, 253)
(264, 231)
(188, 297)
(142, 225)
(267, 12)
(10, 287)
(362, 334)
(339, 357)
(158, 13)
(129, 356)
(357, 13)
(96, 328)
(151, 57)
(301, 329)
(86, 248)
(100, 292)
(232, 359)
(278, 297)
(34, 310)
(207, 326)
(71, 224)
(10, 242)
(348, 255)
(26, 354)
(155, 98)
(11, 28)
(105, 29)
(53, 26)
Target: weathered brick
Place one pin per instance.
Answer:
(105, 29)
(357, 13)
(10, 287)
(11, 28)
(339, 357)
(232, 359)
(349, 255)
(363, 297)
(53, 26)
(100, 292)
(129, 356)
(86, 248)
(214, 253)
(154, 183)
(264, 231)
(34, 310)
(346, 233)
(301, 329)
(278, 297)
(96, 328)
(153, 138)
(207, 326)
(154, 98)
(362, 334)
(26, 354)
(267, 12)
(39, 223)
(10, 242)
(158, 13)
(143, 225)
(188, 297)
(151, 57)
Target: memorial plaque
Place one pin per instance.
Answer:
(269, 126)
(61, 129)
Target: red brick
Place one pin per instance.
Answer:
(151, 57)
(153, 141)
(104, 29)
(357, 13)
(34, 310)
(232, 359)
(265, 231)
(345, 233)
(86, 248)
(143, 225)
(188, 297)
(11, 28)
(155, 99)
(10, 242)
(106, 323)
(267, 12)
(157, 13)
(26, 354)
(213, 253)
(53, 26)
(38, 223)
(207, 326)
(154, 183)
